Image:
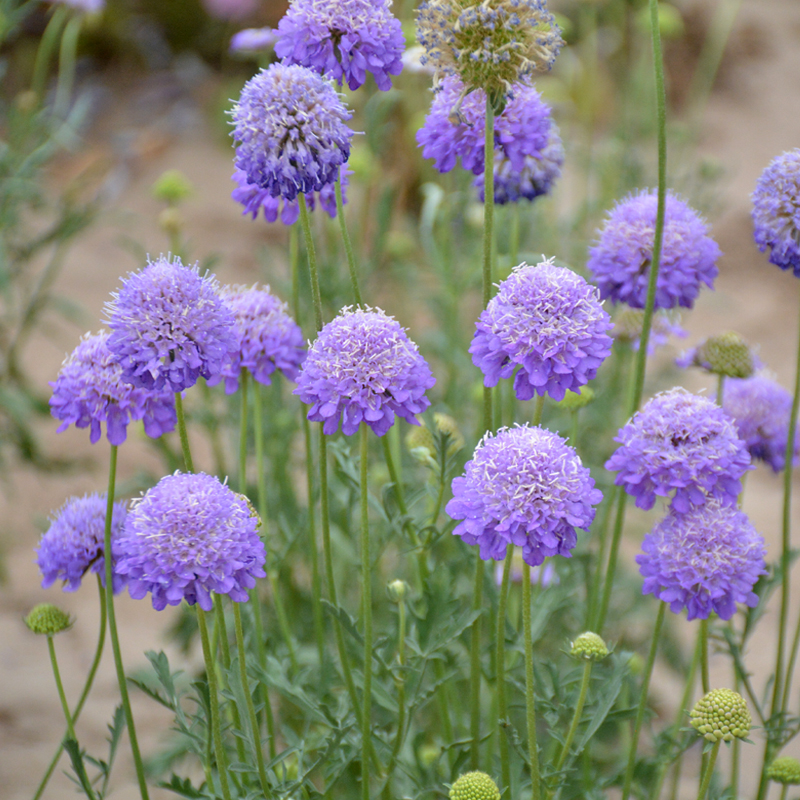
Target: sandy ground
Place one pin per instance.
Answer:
(751, 118)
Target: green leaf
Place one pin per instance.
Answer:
(181, 786)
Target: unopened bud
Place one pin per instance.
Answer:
(47, 619)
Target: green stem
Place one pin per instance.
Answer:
(530, 706)
(313, 268)
(576, 717)
(112, 627)
(66, 65)
(225, 648)
(366, 600)
(488, 240)
(45, 51)
(401, 686)
(502, 704)
(251, 711)
(706, 781)
(640, 709)
(704, 676)
(243, 385)
(187, 453)
(60, 686)
(619, 522)
(538, 409)
(348, 245)
(475, 667)
(784, 790)
(720, 389)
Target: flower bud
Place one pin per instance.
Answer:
(48, 619)
(589, 646)
(721, 715)
(474, 786)
(784, 770)
(573, 400)
(172, 187)
(727, 354)
(397, 590)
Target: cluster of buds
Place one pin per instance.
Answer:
(721, 715)
(48, 620)
(727, 354)
(589, 647)
(474, 786)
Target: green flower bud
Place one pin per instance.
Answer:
(573, 401)
(172, 187)
(422, 444)
(784, 770)
(727, 354)
(419, 441)
(427, 754)
(721, 715)
(48, 619)
(589, 646)
(474, 786)
(397, 590)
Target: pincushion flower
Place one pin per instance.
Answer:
(251, 40)
(761, 409)
(776, 211)
(363, 367)
(343, 39)
(74, 541)
(705, 561)
(547, 324)
(527, 487)
(169, 327)
(268, 338)
(620, 258)
(682, 443)
(289, 125)
(188, 536)
(90, 391)
(488, 44)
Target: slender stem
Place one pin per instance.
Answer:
(66, 65)
(538, 408)
(45, 50)
(216, 730)
(706, 781)
(366, 599)
(311, 254)
(637, 725)
(187, 453)
(576, 717)
(720, 389)
(488, 239)
(502, 704)
(784, 790)
(251, 711)
(60, 686)
(608, 584)
(530, 706)
(112, 626)
(475, 667)
(401, 685)
(706, 682)
(348, 245)
(243, 386)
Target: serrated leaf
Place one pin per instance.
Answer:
(181, 786)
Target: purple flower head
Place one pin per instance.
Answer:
(456, 124)
(188, 536)
(363, 367)
(169, 327)
(252, 40)
(761, 409)
(620, 258)
(776, 211)
(524, 486)
(343, 39)
(548, 322)
(73, 544)
(290, 127)
(628, 328)
(90, 390)
(269, 339)
(705, 561)
(544, 575)
(681, 442)
(255, 199)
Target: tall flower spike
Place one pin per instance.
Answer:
(268, 338)
(343, 39)
(527, 487)
(705, 561)
(73, 544)
(90, 391)
(776, 211)
(547, 324)
(620, 258)
(761, 409)
(289, 124)
(364, 368)
(684, 443)
(169, 327)
(188, 536)
(488, 44)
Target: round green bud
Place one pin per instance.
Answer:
(474, 786)
(48, 619)
(573, 401)
(784, 770)
(727, 354)
(172, 187)
(397, 590)
(427, 754)
(721, 715)
(589, 646)
(419, 441)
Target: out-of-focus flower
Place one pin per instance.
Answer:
(776, 211)
(363, 368)
(620, 258)
(721, 715)
(88, 6)
(527, 487)
(628, 324)
(188, 536)
(547, 324)
(412, 60)
(230, 10)
(683, 443)
(727, 354)
(785, 770)
(252, 40)
(343, 39)
(544, 575)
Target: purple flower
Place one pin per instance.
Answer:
(620, 258)
(547, 321)
(343, 39)
(251, 40)
(188, 536)
(89, 6)
(544, 575)
(169, 327)
(456, 124)
(628, 328)
(290, 127)
(269, 339)
(73, 543)
(230, 10)
(684, 443)
(776, 211)
(705, 561)
(761, 409)
(254, 199)
(90, 390)
(524, 486)
(363, 367)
